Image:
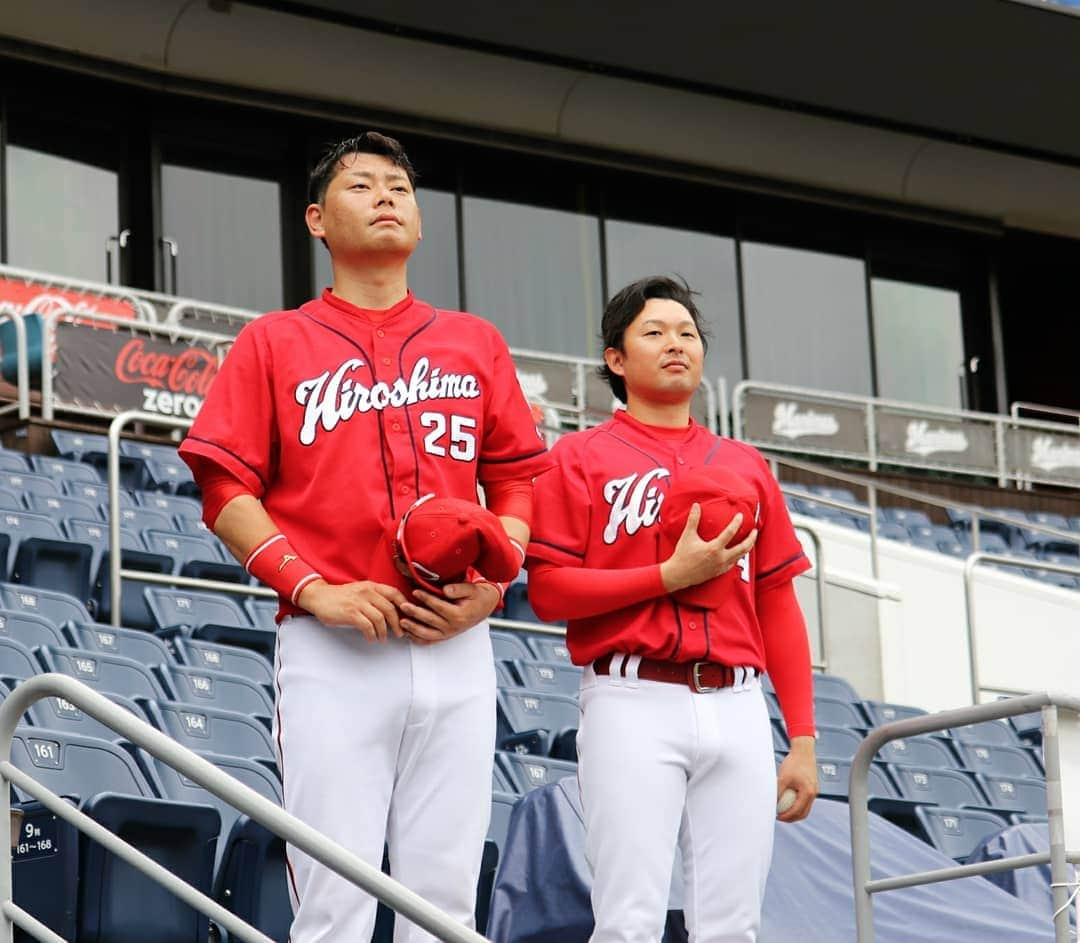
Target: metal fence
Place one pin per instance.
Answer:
(858, 799)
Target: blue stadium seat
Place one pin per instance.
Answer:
(989, 731)
(46, 886)
(991, 542)
(20, 525)
(27, 483)
(907, 517)
(96, 494)
(16, 660)
(197, 527)
(105, 672)
(541, 676)
(834, 775)
(183, 548)
(958, 518)
(208, 729)
(144, 647)
(889, 530)
(826, 685)
(74, 444)
(29, 629)
(533, 719)
(880, 712)
(215, 689)
(944, 787)
(56, 713)
(549, 648)
(998, 760)
(142, 519)
(197, 653)
(263, 614)
(10, 501)
(839, 742)
(174, 504)
(834, 494)
(1028, 727)
(500, 782)
(172, 607)
(251, 879)
(62, 469)
(529, 772)
(516, 603)
(1014, 795)
(57, 608)
(171, 476)
(929, 752)
(957, 832)
(148, 451)
(134, 611)
(134, 475)
(508, 645)
(780, 740)
(61, 506)
(261, 641)
(13, 461)
(838, 713)
(54, 564)
(953, 548)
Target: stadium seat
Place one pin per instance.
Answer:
(74, 445)
(13, 462)
(183, 548)
(834, 774)
(16, 660)
(209, 729)
(57, 608)
(144, 647)
(143, 518)
(63, 469)
(261, 641)
(10, 501)
(97, 494)
(171, 476)
(834, 494)
(533, 719)
(29, 629)
(61, 506)
(881, 713)
(996, 732)
(46, 886)
(944, 787)
(134, 610)
(529, 772)
(953, 548)
(56, 713)
(541, 676)
(263, 614)
(215, 689)
(998, 760)
(838, 713)
(956, 832)
(549, 648)
(826, 685)
(251, 879)
(27, 483)
(149, 451)
(198, 653)
(54, 564)
(840, 742)
(173, 504)
(105, 672)
(172, 607)
(502, 804)
(780, 740)
(516, 603)
(1014, 795)
(929, 752)
(1028, 727)
(907, 517)
(508, 645)
(134, 475)
(500, 782)
(21, 525)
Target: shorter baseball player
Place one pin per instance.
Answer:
(671, 554)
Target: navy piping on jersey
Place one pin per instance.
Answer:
(246, 465)
(379, 417)
(545, 543)
(630, 445)
(708, 641)
(713, 451)
(408, 418)
(760, 576)
(678, 638)
(516, 458)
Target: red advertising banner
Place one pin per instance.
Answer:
(22, 297)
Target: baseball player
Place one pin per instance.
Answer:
(325, 425)
(674, 632)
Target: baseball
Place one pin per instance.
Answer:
(785, 802)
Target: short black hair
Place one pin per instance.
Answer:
(627, 304)
(367, 142)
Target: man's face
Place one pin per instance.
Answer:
(662, 355)
(369, 210)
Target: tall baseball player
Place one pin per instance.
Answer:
(674, 624)
(325, 425)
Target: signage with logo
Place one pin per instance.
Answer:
(23, 297)
(804, 424)
(924, 439)
(1042, 455)
(111, 370)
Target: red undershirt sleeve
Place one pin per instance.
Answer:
(570, 592)
(218, 487)
(510, 498)
(787, 656)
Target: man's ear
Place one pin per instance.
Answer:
(313, 216)
(614, 357)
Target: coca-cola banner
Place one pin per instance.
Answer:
(112, 369)
(924, 440)
(18, 296)
(1044, 455)
(798, 423)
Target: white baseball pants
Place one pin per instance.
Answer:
(660, 764)
(387, 741)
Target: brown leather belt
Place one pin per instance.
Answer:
(700, 676)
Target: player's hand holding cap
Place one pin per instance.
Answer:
(722, 494)
(438, 541)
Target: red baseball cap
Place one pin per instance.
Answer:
(722, 494)
(436, 541)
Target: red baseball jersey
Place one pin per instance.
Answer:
(599, 507)
(339, 421)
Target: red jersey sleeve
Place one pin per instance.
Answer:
(778, 555)
(513, 445)
(236, 427)
(562, 509)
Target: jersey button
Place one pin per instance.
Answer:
(693, 625)
(682, 461)
(396, 426)
(386, 361)
(404, 489)
(380, 333)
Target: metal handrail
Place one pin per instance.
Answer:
(858, 807)
(22, 367)
(102, 289)
(969, 599)
(313, 843)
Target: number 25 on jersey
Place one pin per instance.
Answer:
(450, 435)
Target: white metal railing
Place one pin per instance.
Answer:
(858, 806)
(313, 843)
(899, 434)
(139, 309)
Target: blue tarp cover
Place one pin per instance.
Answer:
(541, 892)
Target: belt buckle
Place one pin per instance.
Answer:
(695, 680)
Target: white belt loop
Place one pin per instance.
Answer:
(632, 663)
(615, 668)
